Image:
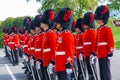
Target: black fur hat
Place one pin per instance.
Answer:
(65, 18)
(21, 31)
(79, 24)
(32, 26)
(26, 23)
(14, 29)
(48, 18)
(73, 26)
(5, 30)
(37, 20)
(102, 13)
(88, 19)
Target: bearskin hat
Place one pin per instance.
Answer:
(88, 19)
(21, 31)
(26, 23)
(73, 26)
(14, 29)
(102, 13)
(5, 30)
(37, 20)
(32, 26)
(48, 18)
(65, 18)
(79, 24)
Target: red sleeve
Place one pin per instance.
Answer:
(53, 42)
(94, 40)
(17, 43)
(68, 45)
(110, 40)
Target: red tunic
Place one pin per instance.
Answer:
(79, 45)
(31, 48)
(14, 41)
(105, 41)
(64, 50)
(6, 39)
(26, 40)
(49, 46)
(89, 42)
(38, 46)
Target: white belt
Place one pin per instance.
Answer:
(102, 43)
(37, 50)
(25, 45)
(87, 43)
(79, 47)
(11, 42)
(47, 50)
(60, 53)
(32, 48)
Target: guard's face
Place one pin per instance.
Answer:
(58, 26)
(44, 26)
(37, 29)
(100, 22)
(77, 30)
(86, 26)
(32, 31)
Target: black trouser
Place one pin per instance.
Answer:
(62, 75)
(6, 51)
(104, 66)
(20, 52)
(89, 69)
(80, 75)
(15, 53)
(41, 73)
(45, 74)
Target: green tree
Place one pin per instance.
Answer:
(9, 22)
(78, 6)
(114, 4)
(18, 21)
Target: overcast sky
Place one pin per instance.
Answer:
(15, 8)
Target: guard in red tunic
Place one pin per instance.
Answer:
(39, 38)
(26, 24)
(38, 46)
(79, 47)
(6, 39)
(89, 43)
(21, 39)
(105, 42)
(14, 44)
(31, 43)
(64, 55)
(49, 40)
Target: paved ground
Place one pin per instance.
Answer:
(9, 72)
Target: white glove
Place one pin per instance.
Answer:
(8, 48)
(69, 71)
(50, 65)
(92, 58)
(32, 62)
(50, 68)
(81, 56)
(38, 65)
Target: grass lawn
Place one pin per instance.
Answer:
(116, 32)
